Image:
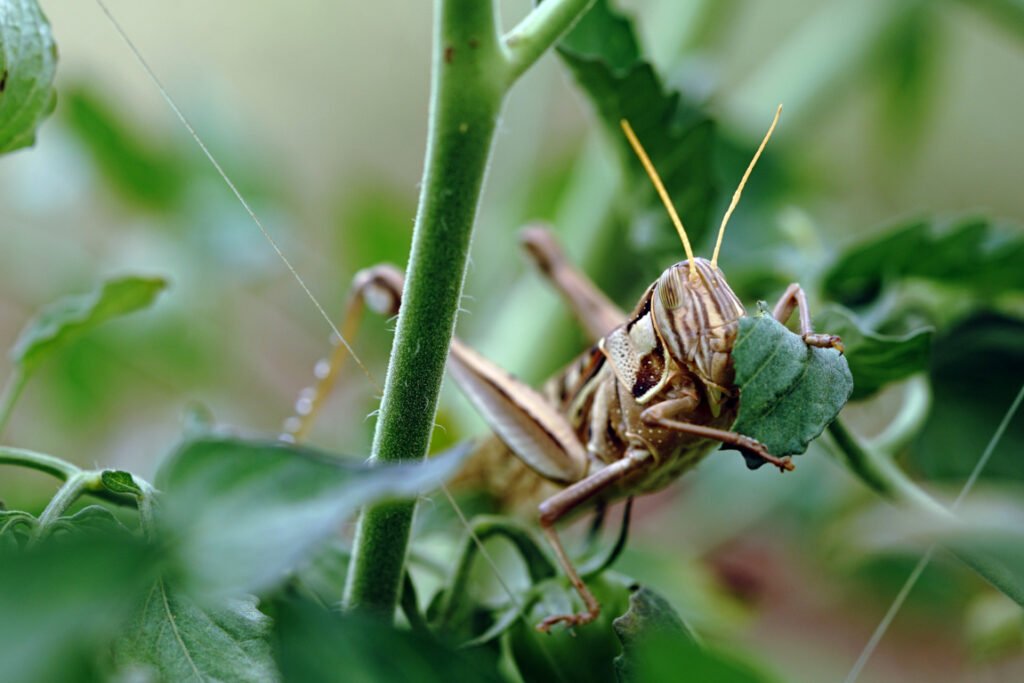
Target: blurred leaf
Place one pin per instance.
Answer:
(1006, 14)
(789, 391)
(977, 369)
(969, 255)
(180, 640)
(63, 601)
(876, 359)
(985, 534)
(584, 653)
(67, 319)
(907, 63)
(244, 513)
(28, 62)
(658, 646)
(128, 159)
(313, 644)
(605, 57)
(994, 627)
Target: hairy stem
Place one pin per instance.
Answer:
(38, 461)
(73, 488)
(471, 72)
(539, 30)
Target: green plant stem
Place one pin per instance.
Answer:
(881, 474)
(914, 409)
(77, 484)
(539, 30)
(38, 461)
(484, 527)
(471, 72)
(12, 391)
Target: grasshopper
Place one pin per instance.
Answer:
(648, 401)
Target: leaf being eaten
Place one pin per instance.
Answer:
(789, 391)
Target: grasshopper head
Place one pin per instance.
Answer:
(697, 316)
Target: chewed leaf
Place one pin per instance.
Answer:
(876, 359)
(28, 62)
(243, 514)
(789, 391)
(67, 319)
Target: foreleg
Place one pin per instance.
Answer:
(795, 298)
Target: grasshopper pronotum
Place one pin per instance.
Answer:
(650, 399)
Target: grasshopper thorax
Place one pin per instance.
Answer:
(696, 316)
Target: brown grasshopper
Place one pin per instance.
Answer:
(650, 399)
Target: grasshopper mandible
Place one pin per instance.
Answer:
(650, 399)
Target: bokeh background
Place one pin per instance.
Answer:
(317, 110)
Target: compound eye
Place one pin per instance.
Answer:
(671, 288)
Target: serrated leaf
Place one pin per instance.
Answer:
(658, 646)
(969, 255)
(67, 319)
(243, 514)
(177, 639)
(789, 391)
(605, 57)
(28, 62)
(876, 359)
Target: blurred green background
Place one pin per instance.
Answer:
(893, 109)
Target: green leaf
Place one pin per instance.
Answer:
(789, 391)
(876, 359)
(969, 255)
(69, 318)
(139, 168)
(118, 481)
(244, 513)
(28, 62)
(605, 57)
(177, 639)
(313, 644)
(585, 653)
(658, 646)
(976, 371)
(64, 600)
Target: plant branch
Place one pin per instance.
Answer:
(914, 410)
(12, 391)
(881, 474)
(538, 31)
(465, 102)
(73, 488)
(38, 461)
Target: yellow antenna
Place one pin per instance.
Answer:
(649, 167)
(739, 190)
